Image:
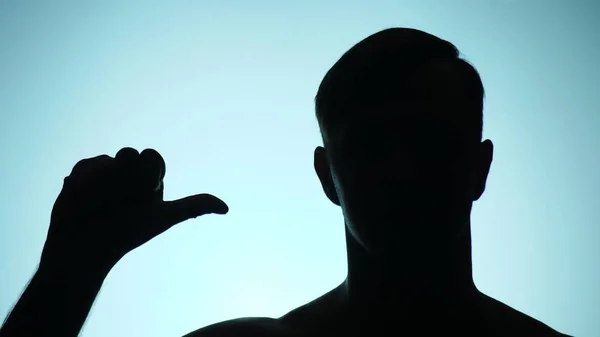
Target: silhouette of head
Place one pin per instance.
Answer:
(401, 118)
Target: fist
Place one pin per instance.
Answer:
(110, 206)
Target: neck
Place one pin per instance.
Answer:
(434, 279)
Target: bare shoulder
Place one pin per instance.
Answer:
(511, 322)
(245, 327)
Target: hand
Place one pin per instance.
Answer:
(110, 206)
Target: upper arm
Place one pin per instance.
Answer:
(240, 327)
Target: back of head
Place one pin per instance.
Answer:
(379, 69)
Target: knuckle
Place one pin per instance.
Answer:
(127, 152)
(80, 164)
(150, 151)
(90, 168)
(88, 163)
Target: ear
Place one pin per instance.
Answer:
(323, 170)
(482, 169)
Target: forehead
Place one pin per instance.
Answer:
(432, 97)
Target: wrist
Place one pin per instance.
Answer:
(61, 262)
(65, 269)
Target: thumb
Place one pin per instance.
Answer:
(170, 213)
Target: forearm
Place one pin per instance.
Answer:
(55, 303)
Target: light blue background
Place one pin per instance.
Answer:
(224, 90)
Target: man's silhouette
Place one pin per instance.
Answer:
(401, 118)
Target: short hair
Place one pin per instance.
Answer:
(372, 72)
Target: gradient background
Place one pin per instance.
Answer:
(224, 90)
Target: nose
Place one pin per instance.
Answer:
(401, 168)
